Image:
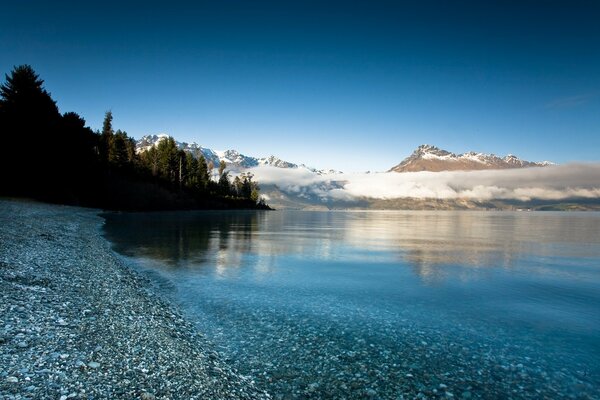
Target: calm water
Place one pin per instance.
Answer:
(386, 304)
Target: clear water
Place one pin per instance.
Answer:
(386, 304)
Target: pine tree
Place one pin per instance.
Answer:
(28, 115)
(246, 191)
(168, 160)
(24, 98)
(117, 153)
(203, 173)
(224, 185)
(106, 137)
(150, 161)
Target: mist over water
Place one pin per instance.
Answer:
(386, 304)
(557, 182)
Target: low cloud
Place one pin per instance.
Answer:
(547, 183)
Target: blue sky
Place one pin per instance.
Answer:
(347, 85)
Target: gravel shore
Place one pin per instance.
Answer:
(77, 323)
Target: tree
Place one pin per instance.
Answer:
(168, 160)
(28, 115)
(237, 186)
(118, 156)
(203, 173)
(106, 137)
(49, 156)
(224, 185)
(76, 157)
(23, 98)
(79, 144)
(107, 129)
(191, 173)
(246, 191)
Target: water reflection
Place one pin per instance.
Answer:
(428, 242)
(179, 239)
(326, 304)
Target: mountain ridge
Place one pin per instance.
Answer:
(233, 158)
(424, 158)
(431, 158)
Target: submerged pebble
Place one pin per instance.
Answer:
(65, 300)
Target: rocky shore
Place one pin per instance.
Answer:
(77, 323)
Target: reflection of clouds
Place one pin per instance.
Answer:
(431, 242)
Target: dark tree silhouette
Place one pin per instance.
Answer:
(23, 96)
(55, 157)
(28, 123)
(106, 137)
(77, 154)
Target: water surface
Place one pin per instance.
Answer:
(386, 304)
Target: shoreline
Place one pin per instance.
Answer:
(76, 322)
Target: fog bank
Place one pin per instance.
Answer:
(547, 183)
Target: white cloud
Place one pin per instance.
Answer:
(547, 183)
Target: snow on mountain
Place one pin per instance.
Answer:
(149, 141)
(276, 162)
(470, 180)
(233, 158)
(434, 159)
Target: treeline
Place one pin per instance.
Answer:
(57, 158)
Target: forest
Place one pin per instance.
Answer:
(54, 157)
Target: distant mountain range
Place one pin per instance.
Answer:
(431, 158)
(424, 158)
(233, 158)
(508, 183)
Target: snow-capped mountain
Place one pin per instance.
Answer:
(233, 158)
(149, 141)
(431, 158)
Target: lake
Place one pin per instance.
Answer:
(385, 304)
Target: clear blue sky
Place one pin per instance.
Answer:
(346, 85)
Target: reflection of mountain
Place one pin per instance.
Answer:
(435, 244)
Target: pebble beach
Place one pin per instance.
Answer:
(76, 323)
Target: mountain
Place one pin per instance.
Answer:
(431, 158)
(233, 158)
(508, 185)
(149, 141)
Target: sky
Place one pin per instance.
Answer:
(353, 86)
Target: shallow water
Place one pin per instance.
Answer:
(386, 304)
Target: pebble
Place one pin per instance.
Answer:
(295, 357)
(61, 298)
